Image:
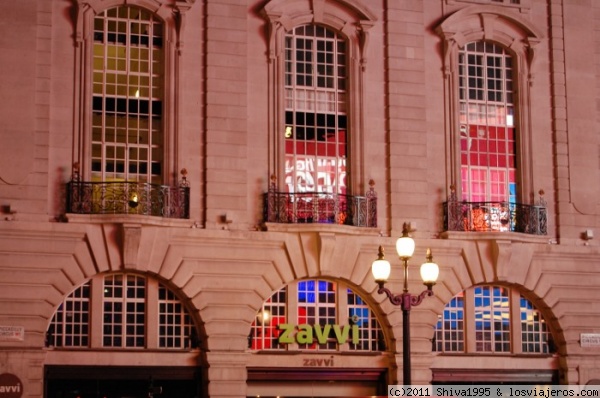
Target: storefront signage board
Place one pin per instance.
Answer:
(10, 386)
(305, 334)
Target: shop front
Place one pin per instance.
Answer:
(317, 337)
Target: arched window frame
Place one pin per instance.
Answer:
(172, 16)
(117, 311)
(507, 331)
(519, 38)
(332, 303)
(352, 20)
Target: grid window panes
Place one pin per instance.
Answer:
(322, 315)
(70, 326)
(175, 326)
(315, 110)
(317, 306)
(124, 312)
(124, 308)
(492, 319)
(482, 315)
(127, 138)
(487, 123)
(370, 335)
(264, 334)
(535, 336)
(450, 329)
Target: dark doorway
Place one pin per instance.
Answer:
(122, 382)
(495, 376)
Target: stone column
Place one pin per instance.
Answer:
(227, 373)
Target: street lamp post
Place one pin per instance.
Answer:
(405, 246)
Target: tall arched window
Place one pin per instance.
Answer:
(316, 55)
(125, 143)
(489, 54)
(127, 105)
(487, 123)
(315, 110)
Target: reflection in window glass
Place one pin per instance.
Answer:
(449, 332)
(489, 324)
(264, 334)
(492, 319)
(535, 335)
(487, 125)
(315, 110)
(370, 333)
(316, 305)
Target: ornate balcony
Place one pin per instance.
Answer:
(320, 207)
(123, 197)
(495, 216)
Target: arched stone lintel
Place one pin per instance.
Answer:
(484, 22)
(350, 17)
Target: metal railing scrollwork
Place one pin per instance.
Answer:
(124, 197)
(495, 216)
(320, 207)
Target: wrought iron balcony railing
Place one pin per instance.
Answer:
(320, 207)
(85, 197)
(495, 216)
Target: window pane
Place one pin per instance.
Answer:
(449, 331)
(316, 122)
(315, 312)
(486, 113)
(264, 334)
(370, 334)
(127, 88)
(535, 336)
(175, 326)
(124, 311)
(70, 324)
(492, 319)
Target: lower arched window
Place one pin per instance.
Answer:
(316, 315)
(492, 319)
(120, 306)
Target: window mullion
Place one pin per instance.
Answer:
(292, 310)
(515, 317)
(152, 317)
(96, 312)
(469, 313)
(342, 318)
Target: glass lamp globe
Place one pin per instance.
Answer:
(405, 245)
(429, 270)
(381, 268)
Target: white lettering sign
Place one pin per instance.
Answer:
(590, 339)
(324, 176)
(12, 333)
(10, 386)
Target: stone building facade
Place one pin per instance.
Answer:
(183, 181)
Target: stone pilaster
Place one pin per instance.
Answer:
(227, 374)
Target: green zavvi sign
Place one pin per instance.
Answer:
(305, 334)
